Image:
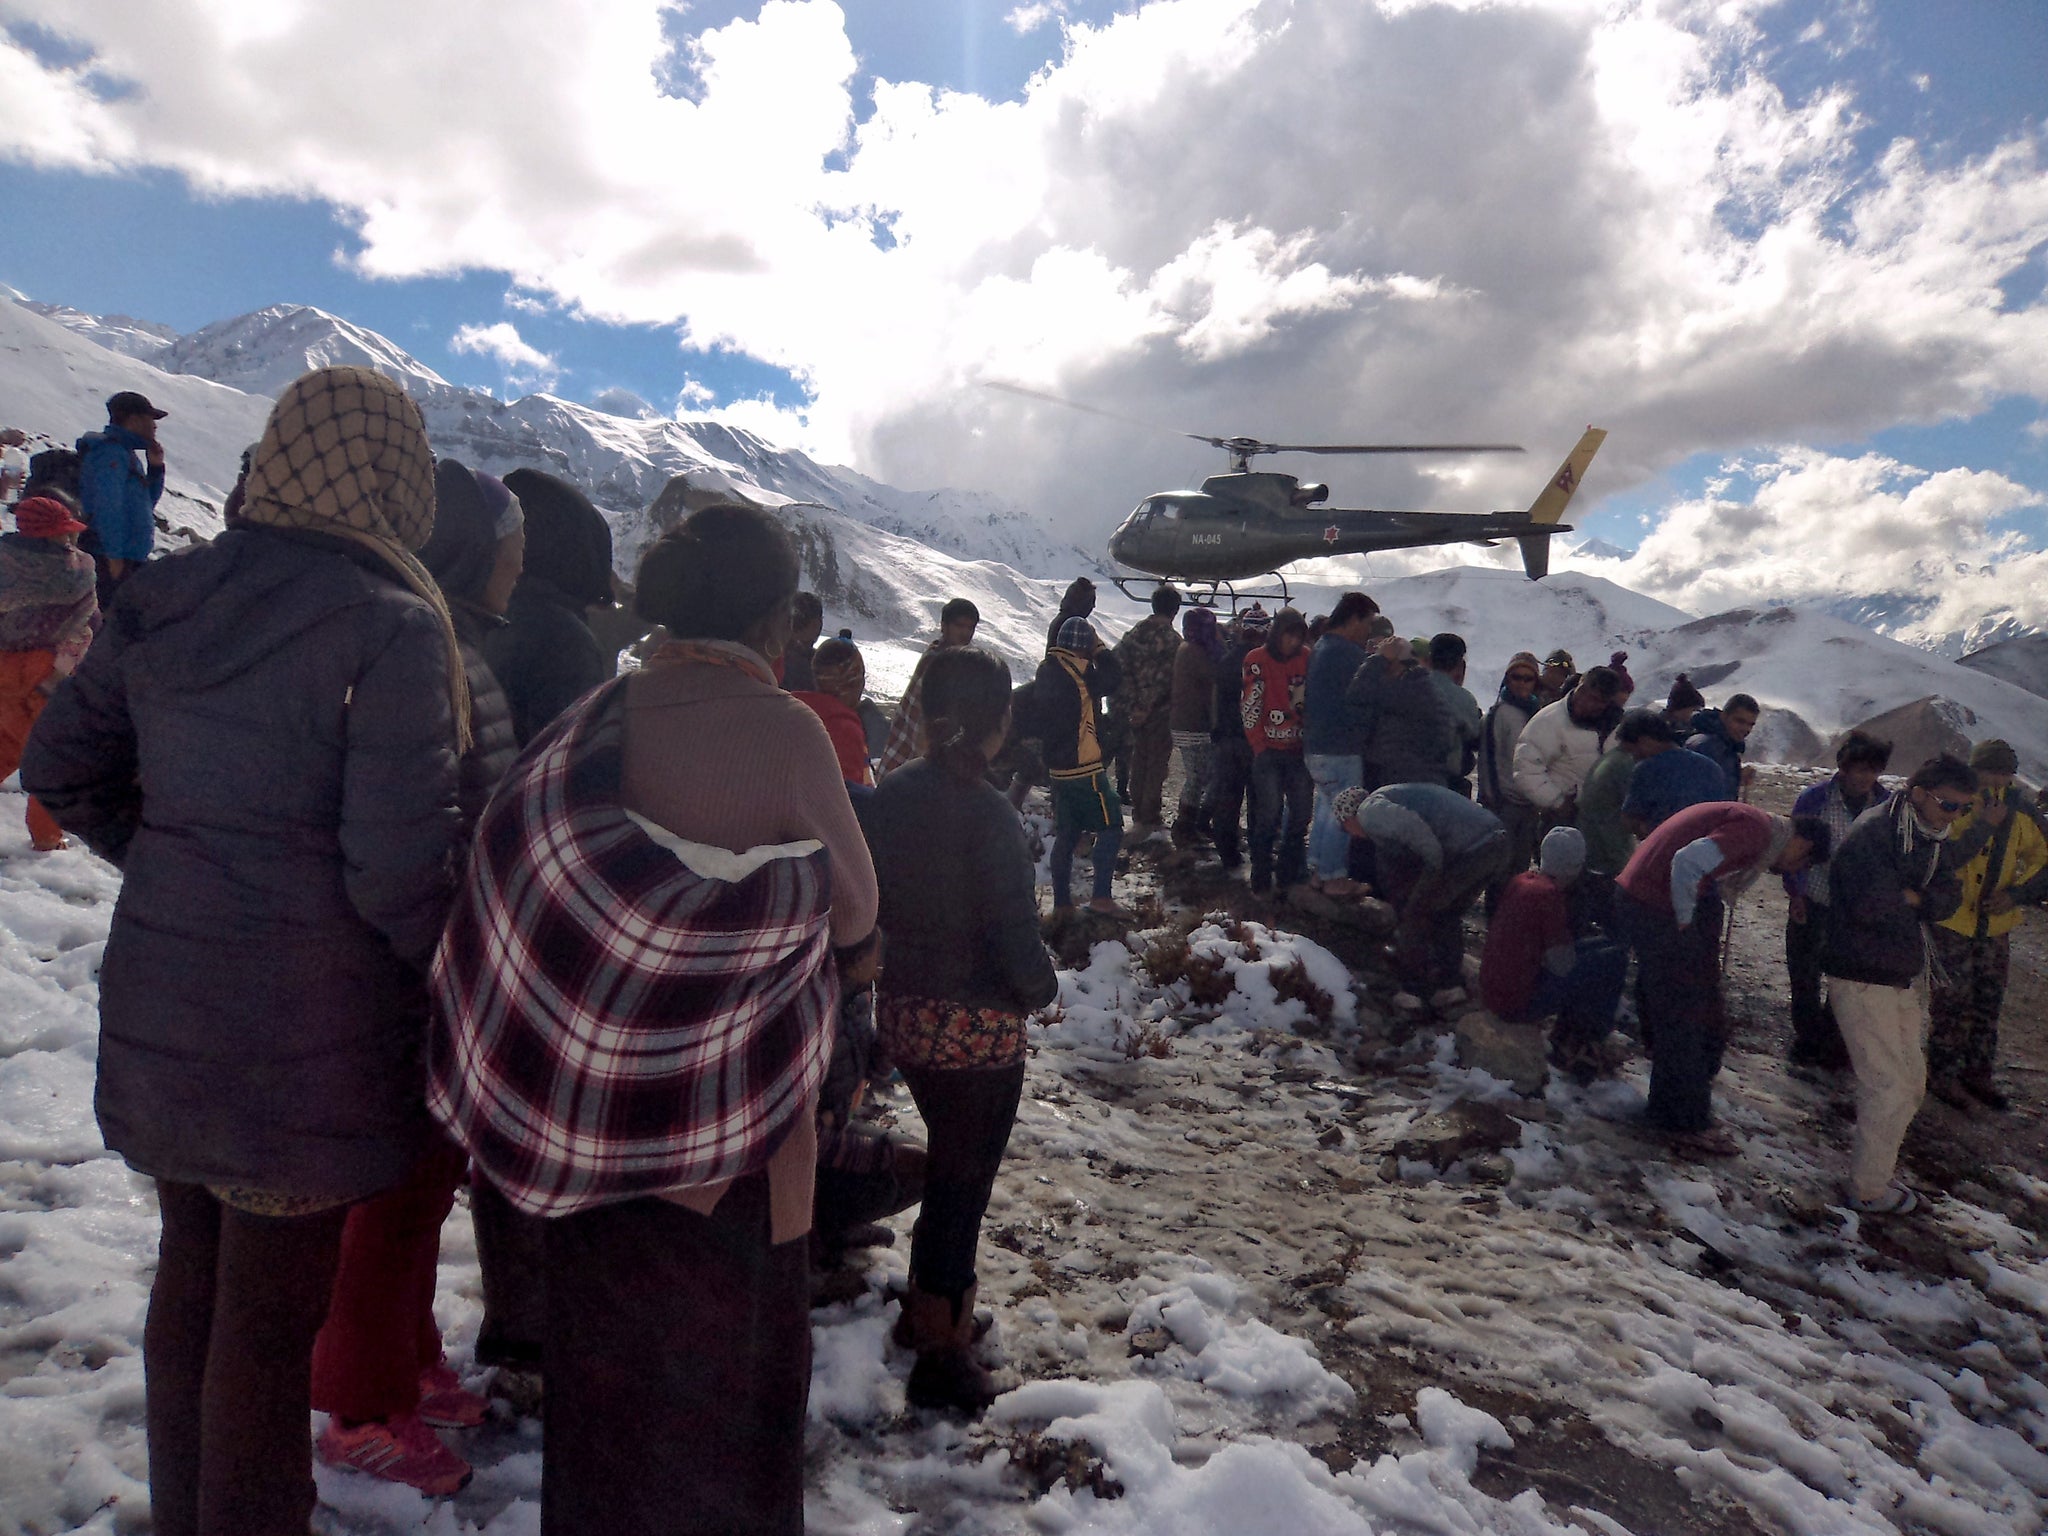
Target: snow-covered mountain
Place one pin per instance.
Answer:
(886, 559)
(261, 352)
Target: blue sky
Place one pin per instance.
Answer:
(1959, 79)
(211, 259)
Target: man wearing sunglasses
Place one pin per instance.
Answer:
(1894, 873)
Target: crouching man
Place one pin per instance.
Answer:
(1435, 852)
(1669, 910)
(1532, 969)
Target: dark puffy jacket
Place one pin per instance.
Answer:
(1711, 740)
(544, 655)
(1230, 694)
(494, 745)
(957, 893)
(1409, 735)
(1194, 689)
(1873, 936)
(262, 738)
(1056, 707)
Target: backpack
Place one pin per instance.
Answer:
(55, 469)
(1027, 717)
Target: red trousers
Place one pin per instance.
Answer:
(380, 1331)
(21, 701)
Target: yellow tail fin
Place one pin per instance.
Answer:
(1549, 505)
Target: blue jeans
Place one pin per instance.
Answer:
(1107, 841)
(1329, 845)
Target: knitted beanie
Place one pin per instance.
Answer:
(1994, 756)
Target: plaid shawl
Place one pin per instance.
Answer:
(620, 1013)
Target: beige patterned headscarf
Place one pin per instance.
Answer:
(345, 453)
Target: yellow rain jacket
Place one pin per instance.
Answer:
(2015, 857)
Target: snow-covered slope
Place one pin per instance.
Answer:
(261, 352)
(622, 450)
(886, 559)
(1831, 674)
(54, 382)
(117, 333)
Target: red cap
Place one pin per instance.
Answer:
(45, 517)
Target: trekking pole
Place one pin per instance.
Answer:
(1727, 936)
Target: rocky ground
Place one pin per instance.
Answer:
(1264, 1257)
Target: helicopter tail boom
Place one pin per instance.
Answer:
(1549, 505)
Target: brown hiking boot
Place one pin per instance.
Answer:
(946, 1375)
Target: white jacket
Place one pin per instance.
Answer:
(1554, 755)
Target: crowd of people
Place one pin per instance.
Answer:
(422, 893)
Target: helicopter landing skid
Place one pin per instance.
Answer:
(1203, 592)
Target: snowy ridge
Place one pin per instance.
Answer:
(885, 559)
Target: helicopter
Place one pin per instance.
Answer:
(1248, 523)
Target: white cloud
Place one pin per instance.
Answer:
(524, 363)
(1816, 526)
(1299, 217)
(1026, 19)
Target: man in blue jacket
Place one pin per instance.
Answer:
(118, 491)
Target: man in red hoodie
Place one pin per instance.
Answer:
(1283, 793)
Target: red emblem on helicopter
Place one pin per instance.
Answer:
(1566, 480)
(1331, 534)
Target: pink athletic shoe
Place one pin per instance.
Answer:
(399, 1450)
(445, 1403)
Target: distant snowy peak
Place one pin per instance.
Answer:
(143, 339)
(1600, 549)
(261, 352)
(623, 402)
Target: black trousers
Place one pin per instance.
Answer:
(1678, 998)
(1816, 1038)
(678, 1371)
(968, 1113)
(227, 1363)
(1233, 770)
(511, 1250)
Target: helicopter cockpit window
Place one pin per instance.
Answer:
(1168, 510)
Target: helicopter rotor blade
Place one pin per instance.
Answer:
(1074, 405)
(1242, 445)
(1247, 446)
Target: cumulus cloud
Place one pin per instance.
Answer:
(1810, 526)
(524, 364)
(1026, 19)
(1310, 218)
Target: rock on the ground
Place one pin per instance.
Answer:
(1465, 1129)
(1514, 1053)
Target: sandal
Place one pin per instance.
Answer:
(1897, 1200)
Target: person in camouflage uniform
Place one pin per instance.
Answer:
(1144, 703)
(2003, 861)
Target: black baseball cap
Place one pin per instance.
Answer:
(129, 403)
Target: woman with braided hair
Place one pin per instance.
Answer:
(287, 705)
